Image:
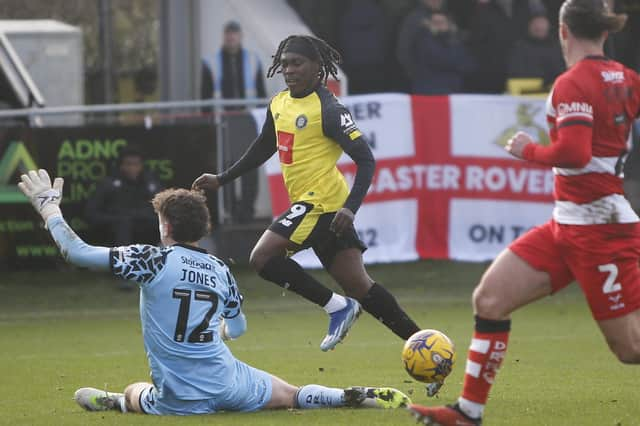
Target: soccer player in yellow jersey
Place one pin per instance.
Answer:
(310, 128)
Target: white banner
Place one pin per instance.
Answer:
(444, 187)
(479, 230)
(482, 124)
(389, 237)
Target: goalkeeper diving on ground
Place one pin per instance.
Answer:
(189, 304)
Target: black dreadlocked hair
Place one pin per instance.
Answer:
(329, 57)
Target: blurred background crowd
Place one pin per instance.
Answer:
(107, 53)
(412, 46)
(452, 46)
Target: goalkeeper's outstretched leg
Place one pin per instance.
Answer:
(143, 398)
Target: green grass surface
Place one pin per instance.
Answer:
(61, 330)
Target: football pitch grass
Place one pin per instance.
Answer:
(61, 330)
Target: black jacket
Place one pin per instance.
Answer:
(117, 199)
(536, 58)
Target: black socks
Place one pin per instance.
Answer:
(289, 275)
(384, 307)
(492, 326)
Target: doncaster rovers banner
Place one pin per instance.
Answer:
(444, 187)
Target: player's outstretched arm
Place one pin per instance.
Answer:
(262, 148)
(45, 198)
(571, 150)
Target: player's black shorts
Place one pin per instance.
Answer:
(308, 226)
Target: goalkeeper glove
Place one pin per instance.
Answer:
(44, 197)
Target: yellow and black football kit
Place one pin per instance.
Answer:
(310, 133)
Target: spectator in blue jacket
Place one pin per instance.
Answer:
(233, 72)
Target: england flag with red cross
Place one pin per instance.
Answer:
(444, 186)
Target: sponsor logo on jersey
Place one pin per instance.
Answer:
(616, 302)
(574, 107)
(301, 121)
(612, 76)
(619, 118)
(194, 263)
(346, 120)
(347, 124)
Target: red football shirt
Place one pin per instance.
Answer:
(590, 112)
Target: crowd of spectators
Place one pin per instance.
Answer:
(452, 46)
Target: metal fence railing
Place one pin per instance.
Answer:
(232, 122)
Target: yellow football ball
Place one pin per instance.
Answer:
(428, 356)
